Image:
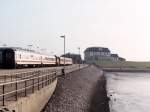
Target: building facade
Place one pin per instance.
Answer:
(114, 57)
(122, 59)
(92, 54)
(97, 53)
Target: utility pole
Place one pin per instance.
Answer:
(63, 36)
(79, 57)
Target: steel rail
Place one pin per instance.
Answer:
(35, 81)
(23, 88)
(23, 80)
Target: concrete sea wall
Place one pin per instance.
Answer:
(34, 102)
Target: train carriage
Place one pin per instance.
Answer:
(7, 58)
(18, 58)
(65, 61)
(23, 58)
(48, 60)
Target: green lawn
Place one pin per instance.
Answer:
(126, 64)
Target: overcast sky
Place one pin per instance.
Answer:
(121, 25)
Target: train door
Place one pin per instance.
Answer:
(57, 61)
(8, 59)
(1, 63)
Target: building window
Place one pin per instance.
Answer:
(91, 53)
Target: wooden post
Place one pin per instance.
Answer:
(3, 95)
(16, 91)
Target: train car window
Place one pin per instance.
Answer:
(20, 56)
(49, 59)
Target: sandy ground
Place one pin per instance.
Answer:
(80, 91)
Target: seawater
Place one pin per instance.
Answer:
(129, 92)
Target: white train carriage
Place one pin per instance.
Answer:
(27, 58)
(48, 60)
(67, 61)
(11, 57)
(17, 57)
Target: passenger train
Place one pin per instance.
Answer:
(13, 57)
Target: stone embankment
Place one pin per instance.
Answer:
(80, 91)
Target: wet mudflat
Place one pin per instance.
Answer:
(129, 92)
(80, 91)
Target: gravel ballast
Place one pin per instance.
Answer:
(80, 91)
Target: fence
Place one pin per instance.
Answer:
(22, 75)
(69, 69)
(10, 91)
(25, 83)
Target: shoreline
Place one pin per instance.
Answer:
(81, 91)
(100, 101)
(126, 70)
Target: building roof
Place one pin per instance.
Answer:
(97, 49)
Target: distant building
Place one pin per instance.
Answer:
(97, 53)
(93, 54)
(114, 57)
(75, 57)
(122, 59)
